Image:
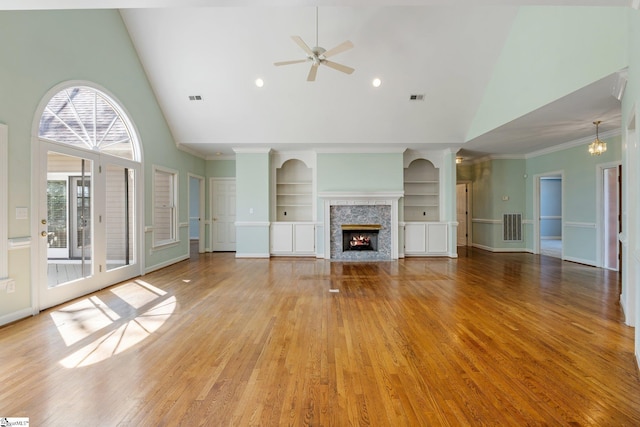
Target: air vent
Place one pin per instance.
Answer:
(195, 98)
(416, 97)
(512, 227)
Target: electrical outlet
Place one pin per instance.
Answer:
(11, 286)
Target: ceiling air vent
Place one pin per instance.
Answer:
(416, 97)
(195, 98)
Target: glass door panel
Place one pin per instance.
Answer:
(57, 218)
(69, 218)
(119, 227)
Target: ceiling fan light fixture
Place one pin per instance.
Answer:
(318, 55)
(597, 147)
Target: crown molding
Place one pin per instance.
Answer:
(252, 150)
(191, 151)
(586, 140)
(360, 150)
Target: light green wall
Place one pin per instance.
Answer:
(579, 171)
(494, 180)
(551, 52)
(41, 49)
(252, 203)
(221, 169)
(360, 172)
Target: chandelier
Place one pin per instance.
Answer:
(597, 147)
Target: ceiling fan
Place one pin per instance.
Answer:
(318, 55)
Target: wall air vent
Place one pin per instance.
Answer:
(416, 97)
(512, 227)
(195, 98)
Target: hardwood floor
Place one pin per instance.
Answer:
(487, 339)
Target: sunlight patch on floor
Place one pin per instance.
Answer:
(93, 331)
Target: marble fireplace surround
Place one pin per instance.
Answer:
(361, 200)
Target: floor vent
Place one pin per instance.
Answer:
(512, 227)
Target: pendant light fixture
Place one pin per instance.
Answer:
(597, 147)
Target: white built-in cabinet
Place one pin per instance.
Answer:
(293, 232)
(423, 238)
(424, 235)
(291, 238)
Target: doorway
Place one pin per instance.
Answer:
(550, 215)
(196, 213)
(223, 213)
(463, 213)
(86, 196)
(611, 216)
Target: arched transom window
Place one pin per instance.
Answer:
(87, 118)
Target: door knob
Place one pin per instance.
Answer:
(43, 234)
(43, 221)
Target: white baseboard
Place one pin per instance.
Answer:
(247, 255)
(165, 264)
(581, 261)
(16, 315)
(497, 250)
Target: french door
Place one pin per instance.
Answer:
(87, 218)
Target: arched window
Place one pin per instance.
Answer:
(87, 118)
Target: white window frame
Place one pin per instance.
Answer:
(172, 228)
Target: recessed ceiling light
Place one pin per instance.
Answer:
(376, 82)
(259, 82)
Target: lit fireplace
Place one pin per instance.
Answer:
(360, 237)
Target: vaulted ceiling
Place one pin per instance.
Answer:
(443, 51)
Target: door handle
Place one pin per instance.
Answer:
(43, 234)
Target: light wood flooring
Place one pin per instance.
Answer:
(485, 339)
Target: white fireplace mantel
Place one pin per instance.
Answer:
(335, 198)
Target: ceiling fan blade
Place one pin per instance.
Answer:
(296, 61)
(338, 49)
(338, 67)
(303, 45)
(312, 73)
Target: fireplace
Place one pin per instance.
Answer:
(373, 219)
(360, 237)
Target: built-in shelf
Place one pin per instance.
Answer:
(294, 192)
(421, 191)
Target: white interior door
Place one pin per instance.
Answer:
(223, 214)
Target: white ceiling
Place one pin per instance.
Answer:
(444, 50)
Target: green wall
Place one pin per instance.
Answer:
(252, 204)
(494, 180)
(360, 172)
(551, 52)
(41, 49)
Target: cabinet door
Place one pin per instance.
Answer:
(282, 238)
(437, 238)
(415, 238)
(304, 238)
